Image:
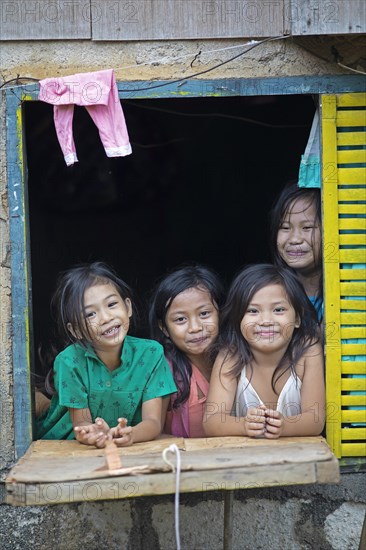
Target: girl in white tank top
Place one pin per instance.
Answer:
(268, 378)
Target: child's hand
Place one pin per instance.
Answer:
(274, 424)
(255, 421)
(93, 434)
(122, 434)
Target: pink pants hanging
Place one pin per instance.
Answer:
(98, 93)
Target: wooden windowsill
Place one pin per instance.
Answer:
(55, 472)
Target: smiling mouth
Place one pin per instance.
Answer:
(198, 340)
(296, 253)
(266, 334)
(111, 331)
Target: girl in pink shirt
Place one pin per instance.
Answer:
(184, 318)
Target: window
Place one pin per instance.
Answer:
(71, 225)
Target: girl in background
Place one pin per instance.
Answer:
(268, 378)
(103, 378)
(184, 317)
(296, 238)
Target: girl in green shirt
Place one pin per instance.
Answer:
(107, 384)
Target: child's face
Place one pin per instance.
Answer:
(269, 321)
(107, 316)
(192, 321)
(299, 237)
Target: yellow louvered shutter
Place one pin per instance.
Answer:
(344, 231)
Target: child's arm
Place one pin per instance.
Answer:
(218, 420)
(149, 428)
(88, 432)
(312, 417)
(164, 409)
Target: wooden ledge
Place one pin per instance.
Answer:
(65, 471)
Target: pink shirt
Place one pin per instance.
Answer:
(187, 420)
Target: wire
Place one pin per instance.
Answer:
(17, 80)
(182, 56)
(282, 37)
(350, 68)
(218, 115)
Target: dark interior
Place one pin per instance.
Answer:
(198, 187)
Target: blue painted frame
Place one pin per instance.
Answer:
(17, 191)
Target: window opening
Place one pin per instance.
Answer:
(198, 187)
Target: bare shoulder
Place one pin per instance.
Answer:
(314, 352)
(224, 362)
(312, 358)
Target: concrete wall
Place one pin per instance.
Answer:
(293, 518)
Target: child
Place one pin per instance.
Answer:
(296, 238)
(268, 379)
(184, 317)
(105, 378)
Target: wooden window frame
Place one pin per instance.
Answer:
(20, 260)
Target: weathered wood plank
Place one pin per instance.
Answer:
(44, 20)
(54, 472)
(179, 19)
(336, 17)
(163, 484)
(57, 469)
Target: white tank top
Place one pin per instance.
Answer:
(289, 400)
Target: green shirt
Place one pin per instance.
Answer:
(83, 381)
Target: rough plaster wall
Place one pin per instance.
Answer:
(296, 518)
(160, 60)
(6, 404)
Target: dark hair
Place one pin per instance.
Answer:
(68, 300)
(195, 276)
(67, 307)
(249, 281)
(288, 196)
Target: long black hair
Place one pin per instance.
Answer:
(193, 276)
(247, 283)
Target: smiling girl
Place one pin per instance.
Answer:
(184, 317)
(104, 379)
(268, 378)
(296, 238)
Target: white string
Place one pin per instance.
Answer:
(176, 468)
